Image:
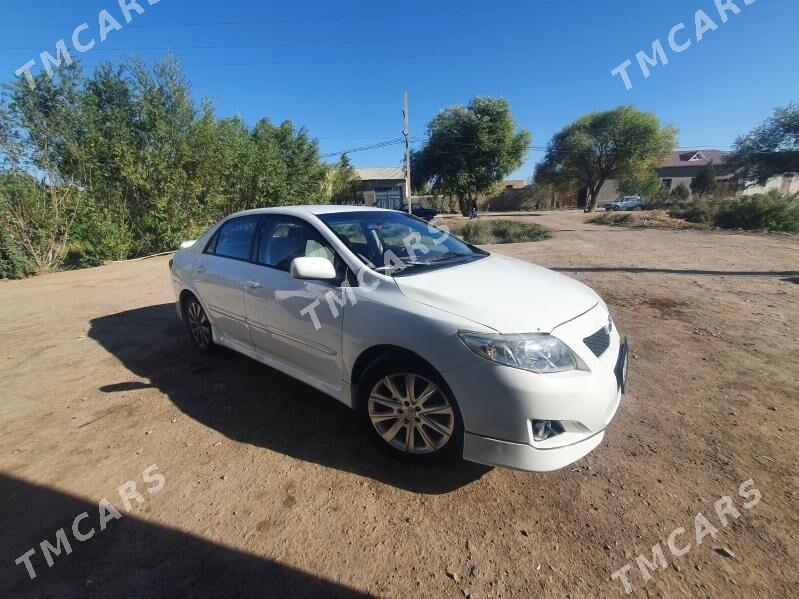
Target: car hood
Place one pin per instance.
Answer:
(507, 295)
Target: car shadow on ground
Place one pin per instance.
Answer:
(252, 403)
(131, 557)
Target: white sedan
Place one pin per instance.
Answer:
(441, 348)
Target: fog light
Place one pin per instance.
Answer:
(542, 430)
(546, 429)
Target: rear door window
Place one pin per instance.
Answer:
(235, 239)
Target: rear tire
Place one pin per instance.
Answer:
(409, 411)
(198, 326)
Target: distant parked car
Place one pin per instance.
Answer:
(627, 203)
(421, 211)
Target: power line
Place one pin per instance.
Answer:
(481, 35)
(393, 142)
(390, 142)
(374, 58)
(317, 19)
(427, 138)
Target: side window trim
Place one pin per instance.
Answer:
(212, 242)
(263, 230)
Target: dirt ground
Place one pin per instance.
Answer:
(271, 489)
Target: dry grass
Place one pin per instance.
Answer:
(652, 219)
(485, 232)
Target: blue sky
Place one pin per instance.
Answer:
(340, 69)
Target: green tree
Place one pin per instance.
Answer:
(644, 185)
(125, 162)
(603, 145)
(288, 169)
(39, 134)
(111, 168)
(770, 149)
(705, 181)
(681, 192)
(469, 150)
(343, 182)
(223, 166)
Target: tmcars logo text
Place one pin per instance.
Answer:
(83, 525)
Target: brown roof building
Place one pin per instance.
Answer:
(682, 167)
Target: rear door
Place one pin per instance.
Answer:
(298, 322)
(221, 274)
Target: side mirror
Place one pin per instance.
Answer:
(311, 267)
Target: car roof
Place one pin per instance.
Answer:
(315, 209)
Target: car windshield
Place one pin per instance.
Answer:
(398, 244)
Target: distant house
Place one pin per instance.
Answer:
(682, 167)
(382, 186)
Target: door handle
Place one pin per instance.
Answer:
(253, 285)
(200, 270)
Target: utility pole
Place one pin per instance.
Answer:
(407, 154)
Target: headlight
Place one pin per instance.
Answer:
(535, 352)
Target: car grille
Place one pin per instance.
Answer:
(599, 342)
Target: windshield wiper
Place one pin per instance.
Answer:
(449, 256)
(398, 268)
(427, 264)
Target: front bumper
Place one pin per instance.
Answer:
(498, 404)
(525, 457)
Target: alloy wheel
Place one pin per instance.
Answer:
(199, 325)
(411, 413)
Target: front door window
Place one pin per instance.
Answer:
(286, 238)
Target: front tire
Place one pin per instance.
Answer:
(198, 326)
(409, 411)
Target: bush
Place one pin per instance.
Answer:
(14, 263)
(771, 211)
(699, 212)
(124, 163)
(650, 219)
(501, 231)
(98, 236)
(603, 219)
(681, 193)
(35, 222)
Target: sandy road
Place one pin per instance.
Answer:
(271, 488)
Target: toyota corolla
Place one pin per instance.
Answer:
(441, 348)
